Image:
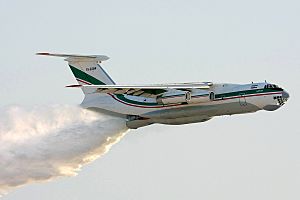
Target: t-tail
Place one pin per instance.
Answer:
(86, 68)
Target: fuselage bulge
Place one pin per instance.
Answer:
(174, 104)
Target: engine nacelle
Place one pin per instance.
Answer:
(202, 97)
(186, 97)
(174, 97)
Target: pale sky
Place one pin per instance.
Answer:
(253, 156)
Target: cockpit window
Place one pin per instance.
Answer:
(272, 86)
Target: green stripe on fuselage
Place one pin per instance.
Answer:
(123, 98)
(244, 92)
(217, 96)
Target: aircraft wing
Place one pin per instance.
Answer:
(144, 90)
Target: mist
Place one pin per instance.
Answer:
(46, 142)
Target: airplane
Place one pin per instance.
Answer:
(173, 104)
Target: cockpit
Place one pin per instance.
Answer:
(273, 86)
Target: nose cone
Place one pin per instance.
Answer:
(285, 95)
(280, 101)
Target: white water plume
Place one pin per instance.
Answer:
(43, 143)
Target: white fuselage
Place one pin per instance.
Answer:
(227, 99)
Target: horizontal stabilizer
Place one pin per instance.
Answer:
(76, 57)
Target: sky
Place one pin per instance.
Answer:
(253, 156)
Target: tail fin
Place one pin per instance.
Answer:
(86, 69)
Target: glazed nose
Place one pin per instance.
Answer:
(285, 95)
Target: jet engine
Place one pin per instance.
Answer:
(174, 97)
(202, 97)
(178, 96)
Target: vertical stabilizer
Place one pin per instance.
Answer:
(86, 69)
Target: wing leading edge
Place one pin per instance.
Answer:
(151, 91)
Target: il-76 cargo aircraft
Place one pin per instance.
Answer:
(179, 103)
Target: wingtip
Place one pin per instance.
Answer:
(43, 54)
(73, 86)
